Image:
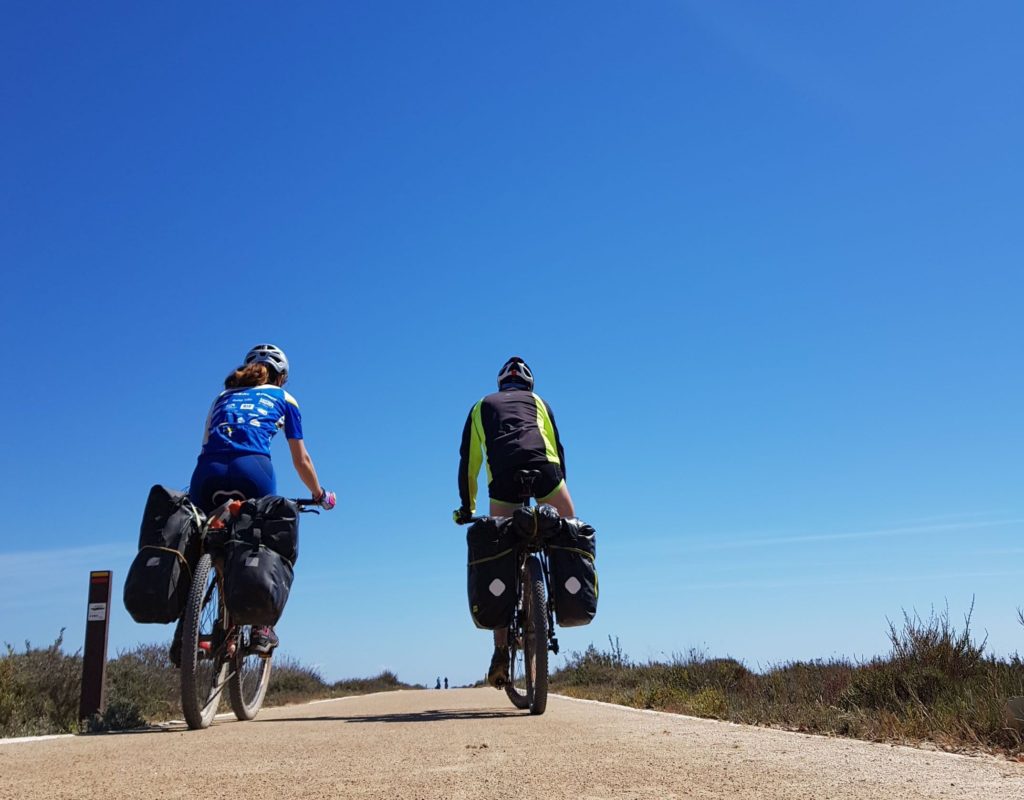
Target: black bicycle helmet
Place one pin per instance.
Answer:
(515, 369)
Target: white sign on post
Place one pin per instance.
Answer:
(97, 612)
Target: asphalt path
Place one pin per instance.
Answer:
(471, 743)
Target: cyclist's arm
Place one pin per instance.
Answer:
(470, 459)
(304, 466)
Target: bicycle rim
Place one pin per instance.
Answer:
(204, 666)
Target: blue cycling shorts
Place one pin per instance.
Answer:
(220, 478)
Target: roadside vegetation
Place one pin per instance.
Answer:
(936, 685)
(40, 687)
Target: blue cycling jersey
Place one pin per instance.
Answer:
(245, 420)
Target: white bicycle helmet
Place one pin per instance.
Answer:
(515, 369)
(270, 355)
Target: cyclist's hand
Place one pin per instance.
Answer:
(327, 500)
(462, 516)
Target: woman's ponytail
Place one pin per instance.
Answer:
(255, 374)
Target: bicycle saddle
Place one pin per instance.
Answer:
(527, 475)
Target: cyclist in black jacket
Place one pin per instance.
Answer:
(516, 430)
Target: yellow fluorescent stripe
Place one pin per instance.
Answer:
(477, 444)
(502, 554)
(547, 432)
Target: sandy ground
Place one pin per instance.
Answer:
(470, 743)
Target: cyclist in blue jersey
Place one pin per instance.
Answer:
(235, 458)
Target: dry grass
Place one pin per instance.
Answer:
(40, 687)
(935, 685)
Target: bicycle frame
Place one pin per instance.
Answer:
(517, 624)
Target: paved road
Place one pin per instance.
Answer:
(471, 744)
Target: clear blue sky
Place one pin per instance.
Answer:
(767, 266)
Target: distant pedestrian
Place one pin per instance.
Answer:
(438, 684)
(445, 683)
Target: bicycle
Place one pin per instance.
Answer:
(214, 652)
(531, 628)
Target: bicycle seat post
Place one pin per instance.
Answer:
(525, 479)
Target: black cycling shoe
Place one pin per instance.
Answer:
(497, 674)
(263, 640)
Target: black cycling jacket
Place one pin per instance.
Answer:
(515, 429)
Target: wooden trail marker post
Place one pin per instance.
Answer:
(94, 659)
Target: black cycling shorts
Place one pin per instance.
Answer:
(506, 489)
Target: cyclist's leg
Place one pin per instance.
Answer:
(502, 508)
(252, 475)
(208, 476)
(561, 500)
(497, 672)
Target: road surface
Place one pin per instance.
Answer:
(471, 743)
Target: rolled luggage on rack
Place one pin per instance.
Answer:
(259, 555)
(159, 578)
(571, 553)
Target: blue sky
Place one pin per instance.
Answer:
(766, 264)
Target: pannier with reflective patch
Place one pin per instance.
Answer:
(159, 578)
(571, 555)
(491, 572)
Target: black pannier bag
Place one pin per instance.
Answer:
(258, 560)
(275, 519)
(491, 572)
(571, 555)
(257, 581)
(161, 574)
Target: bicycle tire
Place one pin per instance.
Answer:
(202, 676)
(536, 637)
(250, 677)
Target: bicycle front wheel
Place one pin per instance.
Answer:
(250, 676)
(204, 662)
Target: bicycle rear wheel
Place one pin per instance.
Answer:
(250, 676)
(528, 670)
(204, 664)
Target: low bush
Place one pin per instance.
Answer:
(40, 688)
(935, 684)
